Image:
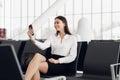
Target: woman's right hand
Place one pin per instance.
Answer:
(30, 33)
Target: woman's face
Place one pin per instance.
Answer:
(59, 25)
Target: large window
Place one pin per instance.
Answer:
(103, 15)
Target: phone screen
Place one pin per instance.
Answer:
(30, 27)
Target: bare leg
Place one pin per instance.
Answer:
(42, 68)
(34, 66)
(36, 76)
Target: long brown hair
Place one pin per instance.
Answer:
(66, 29)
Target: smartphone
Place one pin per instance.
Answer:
(30, 27)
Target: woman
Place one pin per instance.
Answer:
(63, 53)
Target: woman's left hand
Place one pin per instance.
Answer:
(52, 60)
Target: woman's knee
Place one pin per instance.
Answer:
(39, 57)
(43, 67)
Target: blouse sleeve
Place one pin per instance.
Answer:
(42, 45)
(72, 55)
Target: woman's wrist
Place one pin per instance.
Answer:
(58, 61)
(32, 39)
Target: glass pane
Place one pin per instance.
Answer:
(1, 8)
(7, 22)
(7, 26)
(7, 8)
(69, 7)
(30, 20)
(115, 26)
(116, 5)
(24, 8)
(37, 8)
(1, 22)
(88, 18)
(77, 6)
(86, 6)
(60, 11)
(96, 6)
(31, 8)
(116, 33)
(106, 5)
(16, 29)
(96, 26)
(76, 19)
(106, 20)
(44, 5)
(2, 14)
(45, 31)
(87, 28)
(51, 1)
(16, 8)
(116, 18)
(106, 25)
(107, 35)
(24, 23)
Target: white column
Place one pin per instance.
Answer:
(0, 4)
(84, 30)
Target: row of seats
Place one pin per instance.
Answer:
(25, 50)
(93, 59)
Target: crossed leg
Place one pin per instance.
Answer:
(38, 64)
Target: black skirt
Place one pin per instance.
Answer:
(68, 69)
(60, 69)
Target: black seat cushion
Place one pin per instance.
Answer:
(98, 58)
(17, 45)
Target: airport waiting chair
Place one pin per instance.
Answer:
(98, 58)
(115, 71)
(10, 68)
(9, 65)
(28, 52)
(17, 45)
(77, 60)
(81, 56)
(81, 51)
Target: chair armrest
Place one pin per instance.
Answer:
(113, 74)
(112, 65)
(55, 78)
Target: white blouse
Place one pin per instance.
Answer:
(66, 47)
